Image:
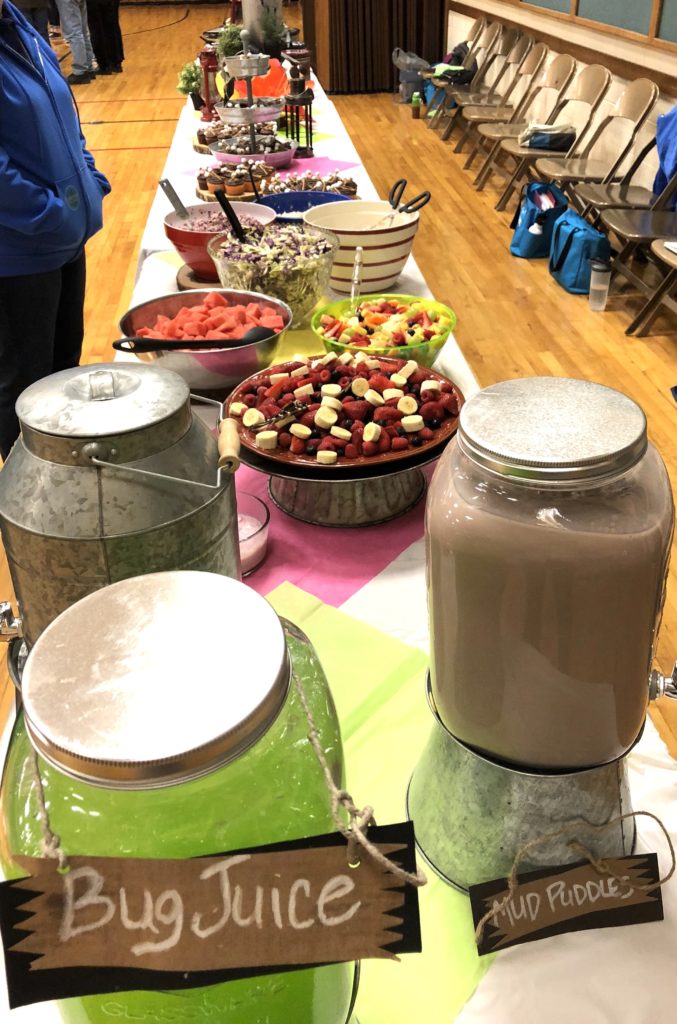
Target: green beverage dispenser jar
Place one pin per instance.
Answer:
(166, 724)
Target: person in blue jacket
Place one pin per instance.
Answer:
(51, 197)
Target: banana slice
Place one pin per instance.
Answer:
(392, 393)
(300, 371)
(373, 397)
(238, 409)
(346, 359)
(330, 389)
(412, 423)
(359, 387)
(267, 439)
(372, 432)
(252, 417)
(305, 389)
(325, 417)
(408, 368)
(298, 358)
(326, 457)
(408, 405)
(331, 403)
(360, 357)
(373, 364)
(341, 432)
(430, 385)
(397, 380)
(274, 377)
(299, 430)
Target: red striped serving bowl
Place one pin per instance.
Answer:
(386, 238)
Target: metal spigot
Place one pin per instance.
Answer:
(11, 626)
(662, 686)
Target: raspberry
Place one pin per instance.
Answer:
(286, 400)
(399, 444)
(358, 428)
(249, 400)
(339, 444)
(391, 430)
(418, 376)
(392, 402)
(326, 444)
(351, 451)
(284, 440)
(344, 383)
(308, 419)
(447, 388)
(427, 434)
(269, 409)
(325, 376)
(260, 392)
(432, 411)
(384, 442)
(370, 448)
(297, 446)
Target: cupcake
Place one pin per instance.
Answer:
(202, 179)
(236, 184)
(214, 181)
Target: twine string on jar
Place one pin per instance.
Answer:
(601, 865)
(50, 844)
(354, 830)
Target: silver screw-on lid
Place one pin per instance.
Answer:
(552, 428)
(154, 680)
(102, 399)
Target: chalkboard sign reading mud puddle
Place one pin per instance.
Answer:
(567, 899)
(183, 923)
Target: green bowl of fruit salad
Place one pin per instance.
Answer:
(400, 326)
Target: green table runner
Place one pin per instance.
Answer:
(378, 686)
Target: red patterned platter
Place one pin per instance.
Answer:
(371, 412)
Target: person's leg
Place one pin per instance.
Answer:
(69, 327)
(89, 52)
(40, 21)
(117, 45)
(71, 25)
(28, 314)
(98, 35)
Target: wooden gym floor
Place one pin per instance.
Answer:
(512, 319)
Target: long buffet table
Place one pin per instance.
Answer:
(375, 595)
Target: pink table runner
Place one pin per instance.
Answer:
(301, 553)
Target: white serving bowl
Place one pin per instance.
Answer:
(386, 244)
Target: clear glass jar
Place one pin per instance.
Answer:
(548, 529)
(273, 790)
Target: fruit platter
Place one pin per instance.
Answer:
(343, 438)
(344, 413)
(399, 326)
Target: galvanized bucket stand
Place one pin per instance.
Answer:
(472, 814)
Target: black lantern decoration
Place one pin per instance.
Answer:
(298, 113)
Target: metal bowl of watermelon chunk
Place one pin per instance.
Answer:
(209, 316)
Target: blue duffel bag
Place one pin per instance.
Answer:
(534, 225)
(574, 244)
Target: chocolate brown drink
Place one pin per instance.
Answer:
(543, 605)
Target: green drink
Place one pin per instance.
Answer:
(271, 790)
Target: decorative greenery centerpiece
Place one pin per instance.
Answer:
(228, 42)
(190, 79)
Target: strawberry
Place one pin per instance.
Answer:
(370, 448)
(268, 409)
(308, 419)
(286, 400)
(387, 414)
(426, 434)
(432, 411)
(384, 442)
(379, 383)
(297, 446)
(450, 403)
(392, 430)
(357, 410)
(399, 444)
(327, 444)
(351, 451)
(284, 439)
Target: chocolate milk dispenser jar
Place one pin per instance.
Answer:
(548, 525)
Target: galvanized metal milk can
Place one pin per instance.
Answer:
(112, 477)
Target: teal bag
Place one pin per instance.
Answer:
(534, 226)
(574, 243)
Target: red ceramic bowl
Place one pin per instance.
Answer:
(192, 245)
